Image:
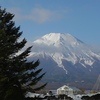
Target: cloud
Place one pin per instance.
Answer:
(38, 15)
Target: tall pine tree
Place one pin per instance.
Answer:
(17, 75)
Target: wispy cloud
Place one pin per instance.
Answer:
(38, 15)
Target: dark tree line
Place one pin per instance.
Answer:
(17, 75)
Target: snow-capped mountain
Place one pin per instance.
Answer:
(66, 57)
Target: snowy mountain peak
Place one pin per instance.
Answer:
(64, 56)
(61, 47)
(57, 39)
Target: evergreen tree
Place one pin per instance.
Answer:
(17, 75)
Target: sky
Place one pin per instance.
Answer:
(80, 18)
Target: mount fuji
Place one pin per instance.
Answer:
(66, 59)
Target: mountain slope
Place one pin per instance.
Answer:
(66, 57)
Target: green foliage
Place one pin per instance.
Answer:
(17, 75)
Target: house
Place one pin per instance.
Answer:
(67, 90)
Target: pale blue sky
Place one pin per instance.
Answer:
(81, 18)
